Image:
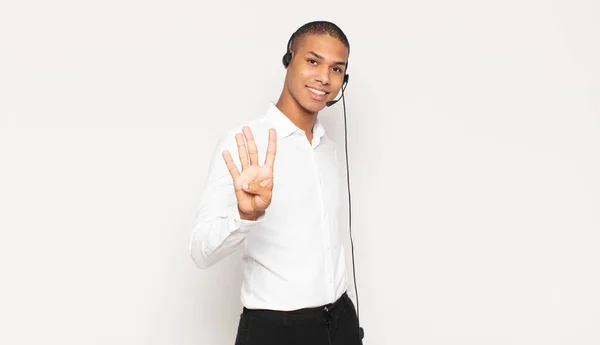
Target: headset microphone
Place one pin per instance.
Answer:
(330, 103)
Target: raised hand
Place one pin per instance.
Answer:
(254, 184)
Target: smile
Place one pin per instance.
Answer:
(318, 92)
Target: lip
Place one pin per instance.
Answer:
(316, 96)
(316, 88)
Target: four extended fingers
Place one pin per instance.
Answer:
(250, 151)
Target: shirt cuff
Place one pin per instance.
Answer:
(243, 225)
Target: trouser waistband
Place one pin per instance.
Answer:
(301, 314)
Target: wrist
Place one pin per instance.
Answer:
(249, 216)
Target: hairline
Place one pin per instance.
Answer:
(299, 39)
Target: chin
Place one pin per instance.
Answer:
(314, 106)
(309, 104)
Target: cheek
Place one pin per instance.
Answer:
(308, 73)
(304, 76)
(300, 80)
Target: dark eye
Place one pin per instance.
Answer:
(311, 61)
(337, 69)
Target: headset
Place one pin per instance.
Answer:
(287, 58)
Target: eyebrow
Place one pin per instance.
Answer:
(343, 63)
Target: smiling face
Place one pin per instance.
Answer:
(316, 72)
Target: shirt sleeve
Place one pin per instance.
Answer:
(218, 228)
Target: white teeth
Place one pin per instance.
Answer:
(318, 92)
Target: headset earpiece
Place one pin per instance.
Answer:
(287, 58)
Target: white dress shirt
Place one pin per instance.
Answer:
(292, 256)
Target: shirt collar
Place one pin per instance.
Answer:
(285, 127)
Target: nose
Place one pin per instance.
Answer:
(323, 76)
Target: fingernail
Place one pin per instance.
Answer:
(245, 186)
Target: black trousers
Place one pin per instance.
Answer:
(332, 324)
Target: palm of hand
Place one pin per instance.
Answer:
(254, 185)
(249, 203)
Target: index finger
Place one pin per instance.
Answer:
(271, 148)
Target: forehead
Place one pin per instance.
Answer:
(324, 45)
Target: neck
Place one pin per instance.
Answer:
(299, 116)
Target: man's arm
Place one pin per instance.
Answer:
(219, 229)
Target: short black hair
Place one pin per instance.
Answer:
(319, 27)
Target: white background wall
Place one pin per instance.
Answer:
(474, 134)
